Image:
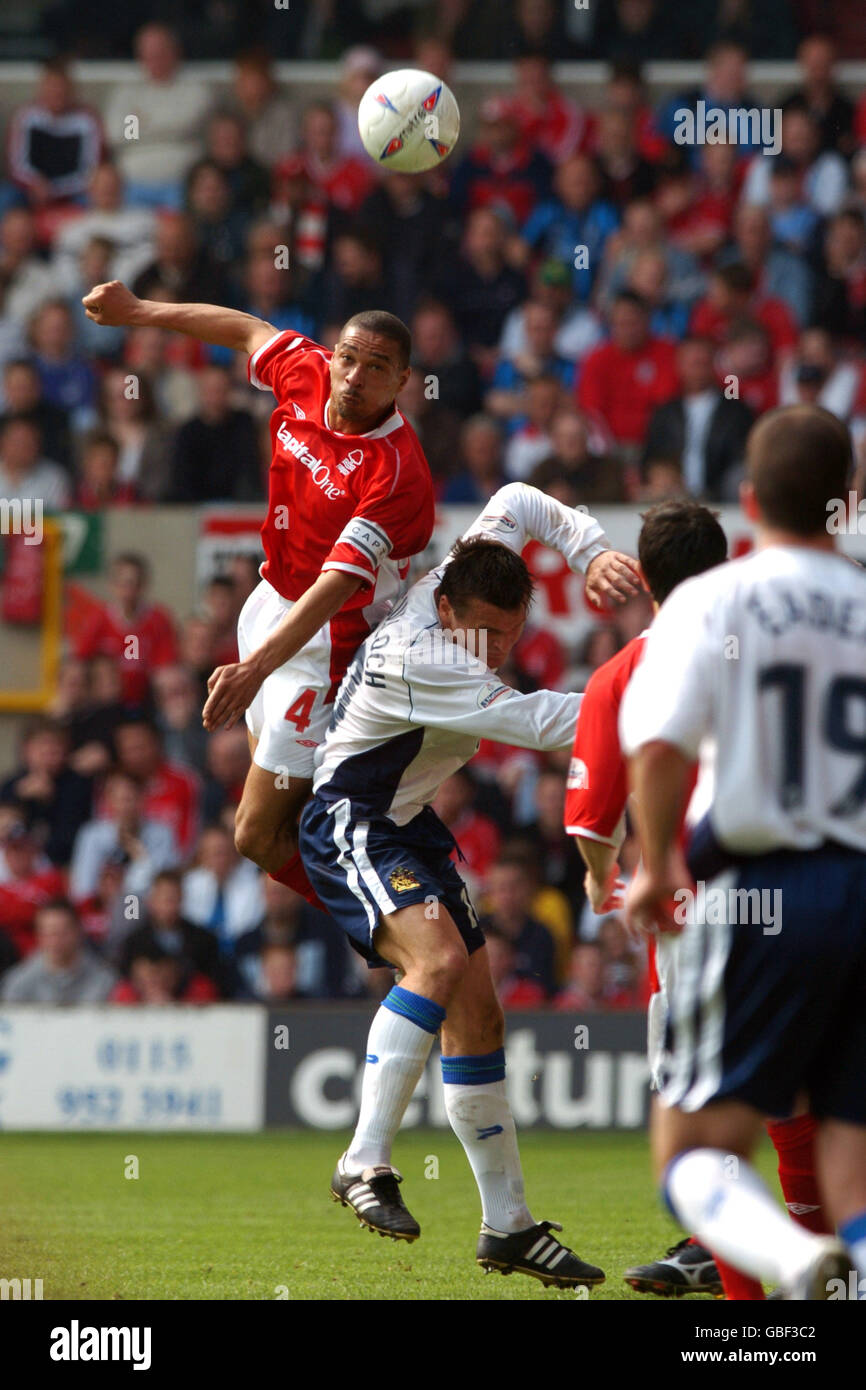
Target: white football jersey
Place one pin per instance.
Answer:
(758, 669)
(414, 704)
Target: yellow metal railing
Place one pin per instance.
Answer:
(32, 701)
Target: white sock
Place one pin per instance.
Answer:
(479, 1113)
(735, 1216)
(398, 1046)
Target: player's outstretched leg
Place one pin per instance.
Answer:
(432, 958)
(398, 1046)
(473, 1075)
(737, 1217)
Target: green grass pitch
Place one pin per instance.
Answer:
(249, 1217)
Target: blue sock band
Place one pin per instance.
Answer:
(474, 1071)
(420, 1011)
(854, 1229)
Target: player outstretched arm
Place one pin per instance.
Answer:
(116, 306)
(233, 688)
(518, 513)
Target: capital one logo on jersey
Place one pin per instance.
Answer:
(578, 775)
(319, 471)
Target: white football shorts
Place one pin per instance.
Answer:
(288, 716)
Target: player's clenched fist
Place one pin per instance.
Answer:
(111, 304)
(612, 575)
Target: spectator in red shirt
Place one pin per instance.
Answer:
(343, 180)
(732, 295)
(624, 379)
(624, 91)
(747, 361)
(585, 988)
(501, 169)
(219, 602)
(698, 206)
(512, 991)
(156, 977)
(140, 635)
(170, 793)
(476, 835)
(98, 485)
(27, 885)
(549, 121)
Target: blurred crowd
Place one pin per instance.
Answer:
(595, 308)
(474, 29)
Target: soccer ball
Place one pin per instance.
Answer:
(408, 120)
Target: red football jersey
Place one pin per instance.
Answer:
(108, 633)
(597, 788)
(356, 502)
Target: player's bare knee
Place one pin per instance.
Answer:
(447, 967)
(252, 842)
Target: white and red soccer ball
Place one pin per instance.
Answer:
(409, 120)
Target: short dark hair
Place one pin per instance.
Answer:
(677, 540)
(483, 569)
(133, 558)
(59, 904)
(736, 276)
(798, 458)
(631, 297)
(168, 876)
(386, 326)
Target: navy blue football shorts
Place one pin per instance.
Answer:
(363, 868)
(768, 995)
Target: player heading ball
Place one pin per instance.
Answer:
(350, 502)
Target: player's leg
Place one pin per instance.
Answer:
(709, 1185)
(289, 703)
(794, 1140)
(267, 816)
(473, 1076)
(747, 1024)
(432, 959)
(841, 1155)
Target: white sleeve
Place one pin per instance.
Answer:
(518, 513)
(449, 689)
(672, 691)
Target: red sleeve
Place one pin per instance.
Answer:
(668, 383)
(274, 366)
(200, 990)
(394, 515)
(597, 788)
(590, 390)
(164, 651)
(124, 992)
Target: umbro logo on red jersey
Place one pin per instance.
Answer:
(299, 414)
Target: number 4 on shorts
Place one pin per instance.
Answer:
(299, 710)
